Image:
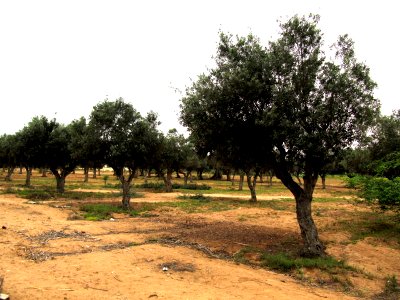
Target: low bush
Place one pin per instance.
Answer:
(283, 262)
(384, 192)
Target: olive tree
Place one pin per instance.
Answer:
(32, 142)
(124, 139)
(60, 158)
(283, 104)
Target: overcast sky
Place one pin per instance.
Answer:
(60, 58)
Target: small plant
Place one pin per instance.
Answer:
(105, 178)
(392, 285)
(97, 212)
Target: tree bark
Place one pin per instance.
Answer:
(44, 172)
(167, 178)
(60, 184)
(241, 181)
(20, 170)
(28, 176)
(323, 177)
(252, 186)
(86, 174)
(312, 247)
(94, 173)
(10, 171)
(126, 193)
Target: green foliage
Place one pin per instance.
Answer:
(97, 212)
(392, 285)
(105, 178)
(383, 191)
(158, 186)
(354, 182)
(192, 186)
(284, 262)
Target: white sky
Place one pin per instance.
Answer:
(60, 58)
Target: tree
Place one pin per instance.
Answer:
(289, 103)
(169, 156)
(235, 96)
(32, 143)
(8, 153)
(60, 157)
(124, 139)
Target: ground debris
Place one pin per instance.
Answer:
(53, 235)
(177, 266)
(174, 241)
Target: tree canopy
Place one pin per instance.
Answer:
(282, 104)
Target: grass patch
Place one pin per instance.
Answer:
(377, 225)
(100, 211)
(284, 263)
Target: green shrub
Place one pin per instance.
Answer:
(354, 181)
(191, 186)
(383, 191)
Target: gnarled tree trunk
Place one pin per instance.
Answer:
(167, 178)
(312, 245)
(28, 176)
(252, 186)
(10, 171)
(126, 193)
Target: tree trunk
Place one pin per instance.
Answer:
(185, 178)
(323, 177)
(44, 172)
(168, 181)
(60, 184)
(85, 174)
(20, 170)
(217, 175)
(98, 171)
(270, 179)
(241, 181)
(252, 186)
(28, 176)
(94, 173)
(312, 245)
(126, 192)
(228, 175)
(10, 171)
(200, 174)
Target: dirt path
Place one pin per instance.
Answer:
(44, 255)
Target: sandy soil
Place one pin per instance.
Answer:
(47, 254)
